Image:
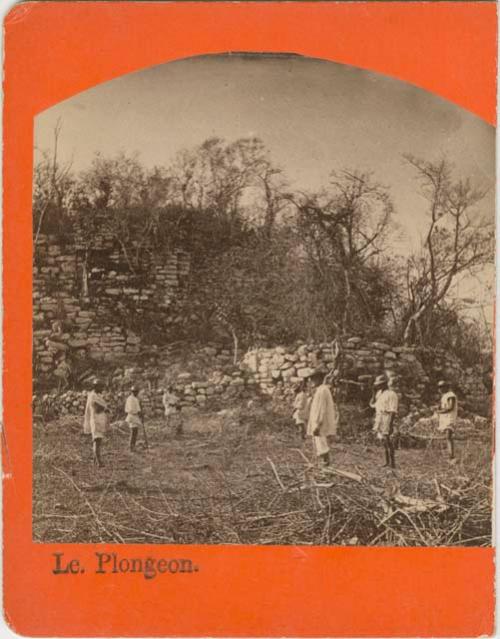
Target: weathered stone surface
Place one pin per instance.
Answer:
(362, 353)
(304, 372)
(79, 343)
(91, 324)
(380, 346)
(408, 357)
(210, 351)
(277, 361)
(84, 321)
(48, 306)
(42, 332)
(237, 381)
(288, 373)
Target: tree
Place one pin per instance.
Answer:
(274, 201)
(114, 182)
(227, 295)
(344, 228)
(234, 181)
(458, 240)
(53, 188)
(250, 292)
(129, 200)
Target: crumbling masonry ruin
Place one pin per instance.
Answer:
(92, 305)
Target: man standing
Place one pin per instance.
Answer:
(134, 416)
(62, 373)
(386, 410)
(171, 404)
(448, 413)
(323, 416)
(95, 420)
(379, 385)
(301, 408)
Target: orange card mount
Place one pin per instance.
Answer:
(109, 584)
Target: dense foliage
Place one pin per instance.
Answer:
(274, 264)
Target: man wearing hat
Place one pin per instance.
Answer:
(134, 416)
(95, 419)
(385, 402)
(447, 413)
(323, 416)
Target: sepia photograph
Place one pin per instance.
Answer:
(263, 310)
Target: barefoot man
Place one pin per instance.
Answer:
(448, 413)
(301, 408)
(171, 404)
(323, 416)
(96, 420)
(386, 411)
(134, 416)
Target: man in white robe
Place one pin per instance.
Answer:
(379, 386)
(95, 420)
(171, 404)
(323, 417)
(448, 414)
(134, 416)
(301, 409)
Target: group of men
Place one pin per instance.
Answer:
(317, 415)
(97, 412)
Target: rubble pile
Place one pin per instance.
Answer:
(426, 426)
(92, 310)
(361, 361)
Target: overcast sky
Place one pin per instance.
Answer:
(314, 116)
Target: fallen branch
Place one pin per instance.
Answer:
(89, 505)
(276, 475)
(419, 505)
(343, 473)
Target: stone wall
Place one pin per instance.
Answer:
(361, 361)
(273, 372)
(92, 304)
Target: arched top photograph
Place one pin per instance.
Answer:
(263, 309)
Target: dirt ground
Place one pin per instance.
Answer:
(239, 477)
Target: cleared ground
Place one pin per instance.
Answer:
(246, 477)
